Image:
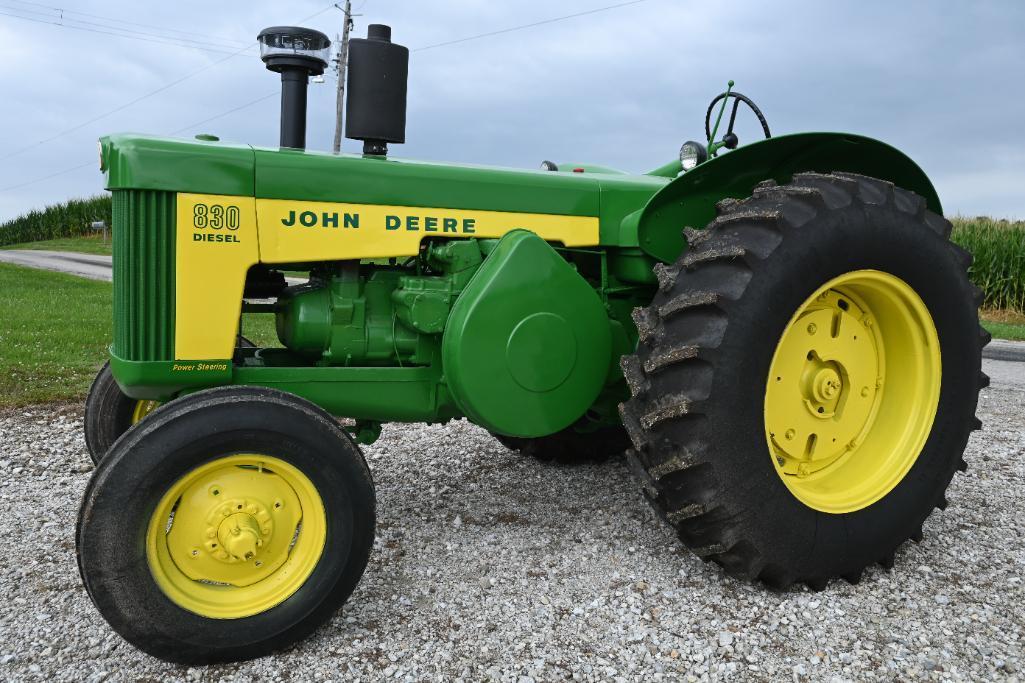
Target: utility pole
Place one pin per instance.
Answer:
(342, 61)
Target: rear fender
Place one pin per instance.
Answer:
(690, 199)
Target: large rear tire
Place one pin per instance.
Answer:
(227, 525)
(775, 441)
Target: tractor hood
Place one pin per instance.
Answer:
(213, 167)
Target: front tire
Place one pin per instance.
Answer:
(109, 413)
(773, 440)
(229, 524)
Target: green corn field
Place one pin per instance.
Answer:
(998, 248)
(67, 219)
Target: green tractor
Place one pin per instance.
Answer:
(780, 336)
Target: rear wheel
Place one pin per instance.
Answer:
(241, 518)
(807, 379)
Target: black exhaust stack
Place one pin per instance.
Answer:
(296, 53)
(375, 108)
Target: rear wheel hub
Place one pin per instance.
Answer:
(830, 442)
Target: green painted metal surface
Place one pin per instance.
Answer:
(382, 394)
(521, 338)
(690, 199)
(354, 314)
(527, 346)
(162, 380)
(143, 264)
(142, 162)
(314, 176)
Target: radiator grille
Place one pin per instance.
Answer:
(143, 235)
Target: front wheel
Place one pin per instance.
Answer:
(807, 379)
(227, 525)
(109, 413)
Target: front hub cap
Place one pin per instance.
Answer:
(236, 536)
(240, 536)
(852, 391)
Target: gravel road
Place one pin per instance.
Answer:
(489, 566)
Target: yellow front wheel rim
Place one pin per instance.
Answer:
(852, 391)
(236, 536)
(142, 409)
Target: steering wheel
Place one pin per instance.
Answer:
(730, 140)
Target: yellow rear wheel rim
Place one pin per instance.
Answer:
(142, 409)
(852, 391)
(236, 536)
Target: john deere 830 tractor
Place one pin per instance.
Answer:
(780, 336)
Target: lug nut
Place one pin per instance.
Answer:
(812, 328)
(790, 434)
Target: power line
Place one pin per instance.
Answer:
(268, 96)
(142, 97)
(225, 113)
(64, 11)
(140, 37)
(121, 107)
(47, 177)
(524, 26)
(173, 132)
(58, 14)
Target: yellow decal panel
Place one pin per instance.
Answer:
(293, 231)
(216, 243)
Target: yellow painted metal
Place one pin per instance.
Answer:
(852, 391)
(142, 409)
(215, 245)
(296, 231)
(219, 237)
(236, 536)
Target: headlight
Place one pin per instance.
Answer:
(691, 154)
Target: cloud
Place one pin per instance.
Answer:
(623, 87)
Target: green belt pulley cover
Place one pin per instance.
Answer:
(526, 348)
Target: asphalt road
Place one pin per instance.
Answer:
(92, 266)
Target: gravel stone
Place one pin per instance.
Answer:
(489, 566)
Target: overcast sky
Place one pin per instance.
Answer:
(623, 87)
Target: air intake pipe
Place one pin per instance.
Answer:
(296, 53)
